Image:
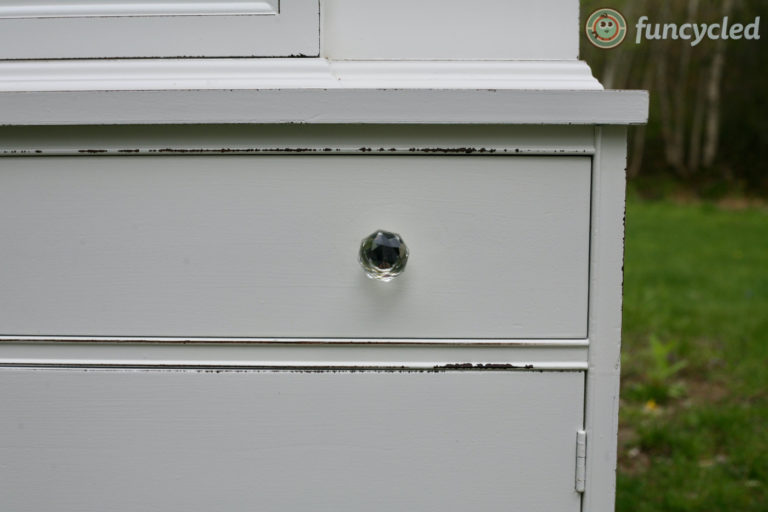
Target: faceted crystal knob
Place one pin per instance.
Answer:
(383, 255)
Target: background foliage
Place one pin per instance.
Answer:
(708, 127)
(693, 432)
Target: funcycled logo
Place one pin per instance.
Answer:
(606, 28)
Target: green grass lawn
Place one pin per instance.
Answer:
(694, 416)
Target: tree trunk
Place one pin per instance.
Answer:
(638, 138)
(712, 133)
(680, 120)
(697, 125)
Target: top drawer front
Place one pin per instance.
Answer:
(266, 246)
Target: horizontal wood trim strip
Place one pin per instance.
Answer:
(324, 106)
(552, 355)
(291, 73)
(81, 8)
(437, 366)
(211, 139)
(202, 340)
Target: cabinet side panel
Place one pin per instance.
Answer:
(607, 244)
(450, 29)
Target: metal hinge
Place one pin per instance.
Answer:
(581, 460)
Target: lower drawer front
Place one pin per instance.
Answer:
(80, 441)
(266, 246)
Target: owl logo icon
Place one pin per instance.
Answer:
(606, 28)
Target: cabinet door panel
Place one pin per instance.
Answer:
(149, 28)
(80, 441)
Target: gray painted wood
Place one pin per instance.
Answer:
(287, 73)
(352, 29)
(295, 30)
(450, 29)
(499, 140)
(607, 240)
(485, 105)
(79, 441)
(538, 354)
(267, 246)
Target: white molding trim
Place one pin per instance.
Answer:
(91, 8)
(495, 140)
(529, 75)
(435, 366)
(527, 355)
(317, 91)
(212, 74)
(324, 106)
(207, 340)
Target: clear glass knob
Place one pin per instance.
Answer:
(383, 255)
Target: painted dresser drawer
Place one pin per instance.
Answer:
(286, 440)
(266, 246)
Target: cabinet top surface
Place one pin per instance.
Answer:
(315, 91)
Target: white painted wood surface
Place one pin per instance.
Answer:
(421, 354)
(93, 8)
(295, 30)
(277, 73)
(435, 140)
(325, 106)
(450, 29)
(267, 246)
(351, 29)
(127, 254)
(606, 276)
(313, 91)
(79, 441)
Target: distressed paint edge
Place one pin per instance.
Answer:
(604, 318)
(294, 139)
(348, 355)
(436, 366)
(447, 151)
